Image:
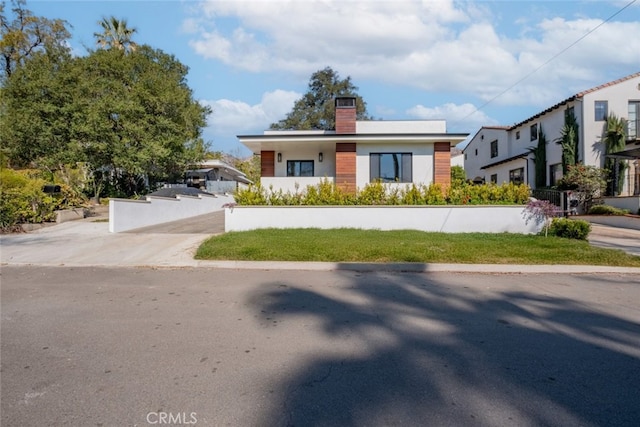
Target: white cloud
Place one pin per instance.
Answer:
(430, 45)
(460, 118)
(236, 117)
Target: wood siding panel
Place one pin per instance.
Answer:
(442, 163)
(345, 120)
(346, 167)
(267, 163)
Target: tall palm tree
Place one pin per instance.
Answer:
(115, 35)
(615, 139)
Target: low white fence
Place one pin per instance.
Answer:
(448, 219)
(125, 214)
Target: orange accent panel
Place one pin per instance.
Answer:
(346, 167)
(267, 163)
(442, 163)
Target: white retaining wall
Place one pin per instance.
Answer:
(448, 219)
(125, 214)
(631, 203)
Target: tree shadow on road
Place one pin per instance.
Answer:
(430, 353)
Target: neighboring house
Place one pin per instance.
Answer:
(501, 153)
(215, 176)
(355, 153)
(457, 157)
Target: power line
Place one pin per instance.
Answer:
(547, 62)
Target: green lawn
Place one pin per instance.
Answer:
(350, 245)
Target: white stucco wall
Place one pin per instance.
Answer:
(458, 160)
(448, 219)
(631, 203)
(311, 152)
(617, 97)
(125, 214)
(401, 126)
(288, 184)
(478, 152)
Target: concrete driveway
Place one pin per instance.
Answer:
(88, 243)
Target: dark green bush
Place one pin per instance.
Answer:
(23, 201)
(606, 210)
(569, 228)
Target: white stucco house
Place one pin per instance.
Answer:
(501, 153)
(355, 153)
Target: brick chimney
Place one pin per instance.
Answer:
(346, 115)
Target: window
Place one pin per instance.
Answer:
(517, 134)
(601, 108)
(494, 178)
(634, 120)
(534, 132)
(476, 151)
(390, 167)
(516, 176)
(299, 167)
(494, 148)
(555, 173)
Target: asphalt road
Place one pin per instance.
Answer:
(206, 347)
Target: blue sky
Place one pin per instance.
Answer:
(433, 59)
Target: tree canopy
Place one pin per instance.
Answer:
(316, 108)
(26, 34)
(122, 115)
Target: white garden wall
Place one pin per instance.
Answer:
(448, 219)
(125, 214)
(631, 203)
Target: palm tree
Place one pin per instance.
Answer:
(615, 136)
(115, 35)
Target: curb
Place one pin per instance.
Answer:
(362, 267)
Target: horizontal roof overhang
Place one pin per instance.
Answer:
(503, 161)
(633, 153)
(258, 143)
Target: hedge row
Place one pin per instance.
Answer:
(327, 193)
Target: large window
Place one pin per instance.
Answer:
(494, 148)
(534, 132)
(390, 167)
(634, 120)
(602, 109)
(516, 176)
(299, 167)
(494, 178)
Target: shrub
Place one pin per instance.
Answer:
(570, 229)
(22, 199)
(378, 193)
(607, 210)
